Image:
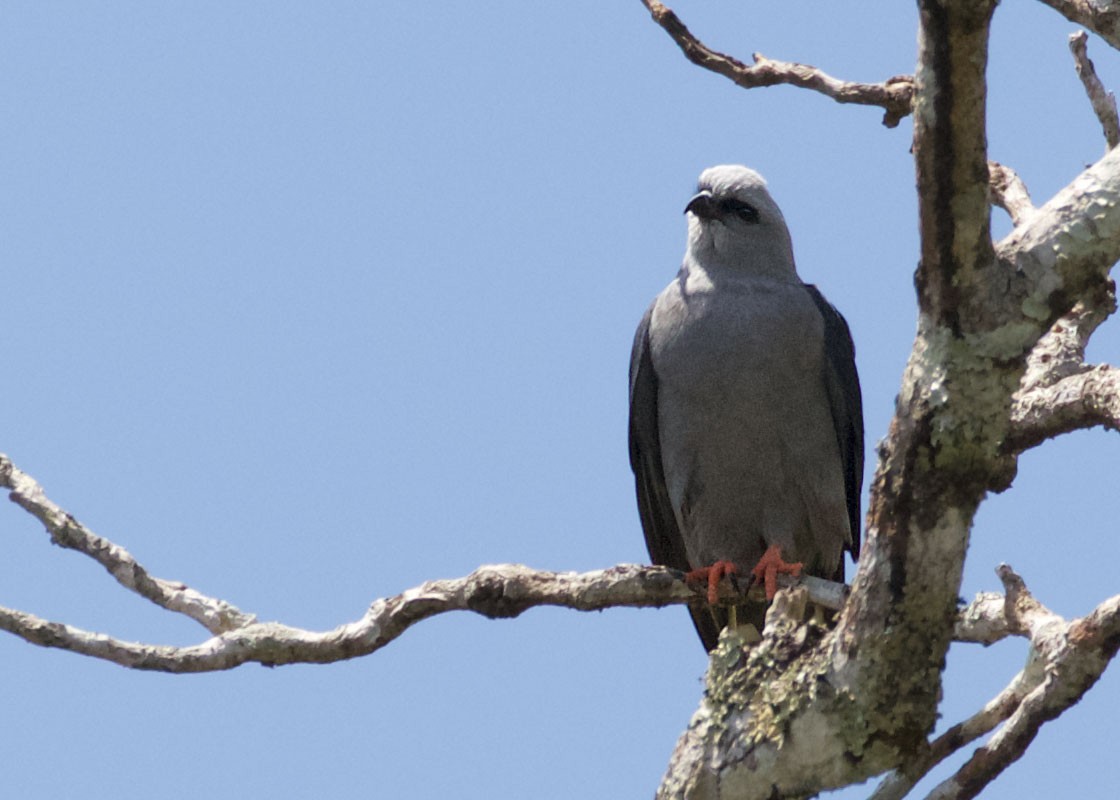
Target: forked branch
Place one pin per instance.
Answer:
(1073, 656)
(1065, 660)
(217, 616)
(1059, 392)
(895, 95)
(503, 590)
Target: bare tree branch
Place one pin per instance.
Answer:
(1060, 353)
(992, 617)
(1054, 272)
(495, 591)
(1059, 392)
(1102, 17)
(1051, 655)
(983, 621)
(507, 590)
(1057, 257)
(1025, 614)
(503, 590)
(1081, 401)
(1075, 655)
(1103, 101)
(893, 95)
(498, 591)
(899, 783)
(215, 615)
(1009, 192)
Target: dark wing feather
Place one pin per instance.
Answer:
(663, 536)
(846, 401)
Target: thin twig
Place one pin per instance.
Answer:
(894, 95)
(1073, 655)
(1081, 653)
(217, 616)
(1103, 101)
(1065, 659)
(899, 783)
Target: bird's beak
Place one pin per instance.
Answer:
(702, 205)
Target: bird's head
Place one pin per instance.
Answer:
(734, 223)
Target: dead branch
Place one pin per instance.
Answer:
(899, 783)
(1060, 353)
(894, 95)
(494, 591)
(1102, 17)
(1009, 192)
(1081, 401)
(503, 590)
(1060, 255)
(217, 616)
(1059, 392)
(982, 310)
(1073, 655)
(1062, 664)
(983, 621)
(1103, 101)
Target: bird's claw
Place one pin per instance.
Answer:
(713, 575)
(770, 566)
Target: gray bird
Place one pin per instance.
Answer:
(746, 422)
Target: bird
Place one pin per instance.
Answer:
(746, 416)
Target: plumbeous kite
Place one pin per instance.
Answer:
(746, 422)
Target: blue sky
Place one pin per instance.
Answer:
(305, 304)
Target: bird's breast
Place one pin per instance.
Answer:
(754, 337)
(748, 445)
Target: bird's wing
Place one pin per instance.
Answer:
(846, 404)
(663, 535)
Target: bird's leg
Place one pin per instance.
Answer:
(769, 567)
(712, 575)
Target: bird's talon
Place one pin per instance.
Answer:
(770, 566)
(712, 575)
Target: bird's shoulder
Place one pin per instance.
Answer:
(695, 298)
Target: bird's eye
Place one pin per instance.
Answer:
(745, 211)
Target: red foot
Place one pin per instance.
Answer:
(713, 575)
(768, 568)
